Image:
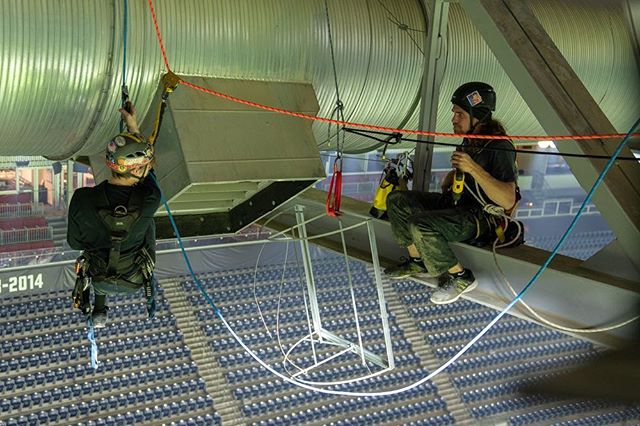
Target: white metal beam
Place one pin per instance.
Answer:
(434, 60)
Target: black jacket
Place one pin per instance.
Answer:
(86, 230)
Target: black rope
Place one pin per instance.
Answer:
(350, 157)
(396, 140)
(338, 110)
(403, 27)
(333, 58)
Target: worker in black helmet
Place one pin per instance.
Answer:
(425, 223)
(113, 224)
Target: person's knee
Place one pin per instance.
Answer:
(394, 200)
(422, 225)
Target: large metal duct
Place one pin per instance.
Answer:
(60, 62)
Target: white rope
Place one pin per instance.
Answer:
(498, 211)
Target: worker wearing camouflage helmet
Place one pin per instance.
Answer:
(112, 223)
(425, 223)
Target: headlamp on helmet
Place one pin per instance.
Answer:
(128, 151)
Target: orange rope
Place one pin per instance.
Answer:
(368, 126)
(158, 35)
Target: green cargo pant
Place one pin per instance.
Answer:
(430, 221)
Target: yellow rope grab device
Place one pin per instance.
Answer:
(170, 81)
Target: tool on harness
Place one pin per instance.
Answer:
(457, 187)
(395, 177)
(147, 265)
(82, 290)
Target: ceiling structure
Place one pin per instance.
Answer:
(61, 64)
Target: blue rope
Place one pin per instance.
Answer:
(125, 30)
(586, 201)
(91, 333)
(184, 252)
(94, 345)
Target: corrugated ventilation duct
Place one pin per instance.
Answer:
(60, 61)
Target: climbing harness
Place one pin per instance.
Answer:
(91, 267)
(503, 228)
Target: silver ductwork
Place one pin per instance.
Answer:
(61, 62)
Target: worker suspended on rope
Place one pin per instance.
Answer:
(112, 223)
(481, 187)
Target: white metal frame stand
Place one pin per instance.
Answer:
(328, 337)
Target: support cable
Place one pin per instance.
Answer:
(124, 98)
(124, 90)
(334, 194)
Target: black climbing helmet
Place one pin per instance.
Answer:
(476, 98)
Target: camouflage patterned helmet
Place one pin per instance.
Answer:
(128, 151)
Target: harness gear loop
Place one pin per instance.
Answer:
(334, 196)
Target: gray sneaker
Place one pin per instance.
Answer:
(100, 318)
(405, 269)
(452, 286)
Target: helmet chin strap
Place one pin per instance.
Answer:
(142, 175)
(473, 126)
(137, 178)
